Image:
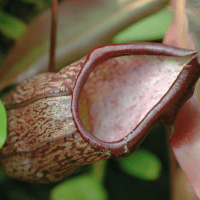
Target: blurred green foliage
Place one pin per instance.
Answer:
(3, 124)
(81, 187)
(143, 175)
(142, 164)
(11, 26)
(151, 28)
(14, 18)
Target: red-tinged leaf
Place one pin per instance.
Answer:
(177, 34)
(186, 139)
(82, 25)
(193, 14)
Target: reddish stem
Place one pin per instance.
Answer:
(53, 36)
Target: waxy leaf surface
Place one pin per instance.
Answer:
(186, 137)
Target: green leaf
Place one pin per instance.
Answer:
(78, 188)
(11, 26)
(2, 176)
(142, 164)
(3, 124)
(153, 27)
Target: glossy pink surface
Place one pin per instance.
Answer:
(186, 140)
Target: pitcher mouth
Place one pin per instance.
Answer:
(123, 90)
